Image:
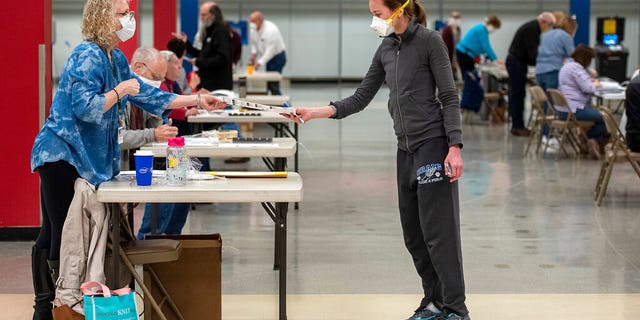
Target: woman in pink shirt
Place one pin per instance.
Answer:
(577, 86)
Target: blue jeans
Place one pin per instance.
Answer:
(589, 114)
(472, 92)
(171, 218)
(547, 80)
(517, 82)
(276, 64)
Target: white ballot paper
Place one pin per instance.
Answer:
(255, 106)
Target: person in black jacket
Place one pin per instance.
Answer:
(425, 108)
(522, 53)
(213, 59)
(632, 109)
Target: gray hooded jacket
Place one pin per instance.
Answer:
(416, 67)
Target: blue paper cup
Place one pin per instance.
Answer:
(144, 167)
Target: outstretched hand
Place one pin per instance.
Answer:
(302, 115)
(209, 102)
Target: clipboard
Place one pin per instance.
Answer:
(239, 103)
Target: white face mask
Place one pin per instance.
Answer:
(150, 82)
(381, 26)
(385, 27)
(128, 23)
(491, 29)
(453, 22)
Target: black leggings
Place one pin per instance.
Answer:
(57, 181)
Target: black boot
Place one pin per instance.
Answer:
(42, 284)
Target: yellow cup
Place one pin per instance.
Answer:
(250, 69)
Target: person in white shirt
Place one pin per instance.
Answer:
(267, 47)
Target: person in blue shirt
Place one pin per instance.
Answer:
(555, 46)
(80, 137)
(475, 43)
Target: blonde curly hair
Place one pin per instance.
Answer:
(98, 22)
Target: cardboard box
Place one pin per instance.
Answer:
(193, 281)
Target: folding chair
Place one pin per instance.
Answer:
(540, 119)
(144, 252)
(615, 151)
(569, 130)
(493, 101)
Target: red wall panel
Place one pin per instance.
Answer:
(164, 18)
(19, 192)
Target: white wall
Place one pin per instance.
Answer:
(311, 33)
(67, 35)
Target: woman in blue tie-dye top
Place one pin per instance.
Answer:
(80, 138)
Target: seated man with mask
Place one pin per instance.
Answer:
(142, 127)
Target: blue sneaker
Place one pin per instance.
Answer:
(424, 314)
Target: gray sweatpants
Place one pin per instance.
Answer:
(430, 217)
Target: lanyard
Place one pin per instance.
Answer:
(114, 70)
(121, 115)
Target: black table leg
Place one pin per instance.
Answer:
(281, 226)
(115, 248)
(278, 214)
(295, 157)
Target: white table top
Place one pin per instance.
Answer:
(280, 148)
(222, 116)
(218, 190)
(611, 96)
(259, 76)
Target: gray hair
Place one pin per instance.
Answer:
(145, 55)
(547, 17)
(166, 54)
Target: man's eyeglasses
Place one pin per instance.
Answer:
(155, 76)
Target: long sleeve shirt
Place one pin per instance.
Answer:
(136, 138)
(555, 46)
(78, 130)
(524, 45)
(423, 100)
(576, 86)
(214, 59)
(451, 37)
(267, 42)
(632, 107)
(172, 86)
(476, 42)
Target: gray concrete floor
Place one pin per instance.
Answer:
(529, 225)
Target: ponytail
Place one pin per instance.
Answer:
(419, 13)
(414, 9)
